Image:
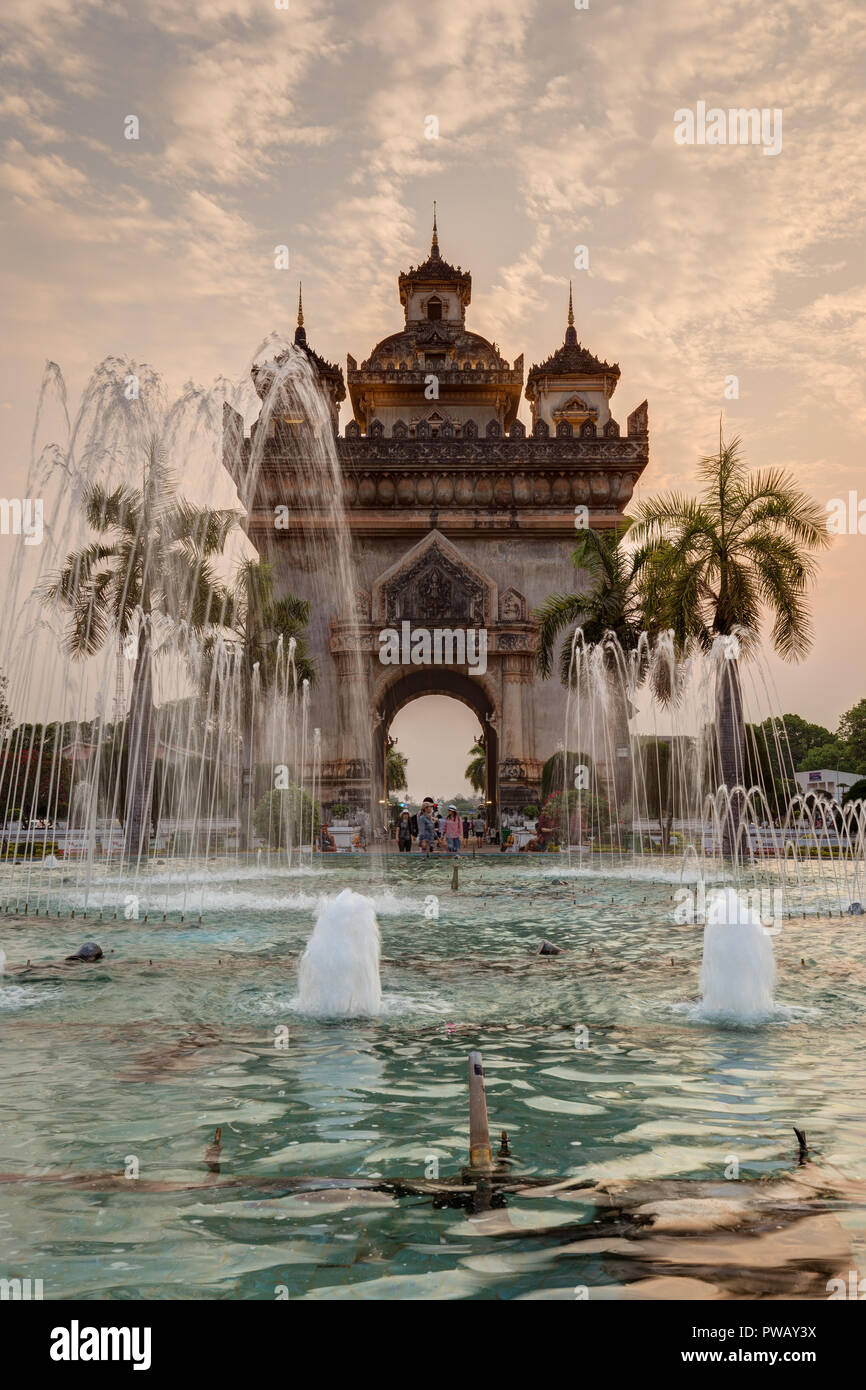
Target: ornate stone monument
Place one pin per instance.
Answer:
(460, 520)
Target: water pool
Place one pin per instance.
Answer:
(597, 1063)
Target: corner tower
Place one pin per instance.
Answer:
(572, 385)
(329, 376)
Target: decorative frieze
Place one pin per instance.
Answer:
(446, 487)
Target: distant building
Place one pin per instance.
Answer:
(830, 781)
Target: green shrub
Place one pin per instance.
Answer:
(559, 769)
(287, 817)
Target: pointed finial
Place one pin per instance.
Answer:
(570, 332)
(300, 331)
(434, 245)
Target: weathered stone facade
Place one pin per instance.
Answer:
(459, 518)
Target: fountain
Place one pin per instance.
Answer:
(738, 969)
(237, 754)
(338, 975)
(637, 792)
(637, 788)
(214, 727)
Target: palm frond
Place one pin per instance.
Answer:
(772, 496)
(555, 614)
(77, 572)
(120, 510)
(202, 529)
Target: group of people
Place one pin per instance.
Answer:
(434, 831)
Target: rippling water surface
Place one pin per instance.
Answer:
(598, 1065)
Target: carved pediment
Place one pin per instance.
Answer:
(434, 586)
(575, 410)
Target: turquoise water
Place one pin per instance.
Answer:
(133, 1062)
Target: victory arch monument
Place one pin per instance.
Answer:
(460, 517)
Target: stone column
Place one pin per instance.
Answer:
(513, 681)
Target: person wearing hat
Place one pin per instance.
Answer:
(453, 830)
(425, 826)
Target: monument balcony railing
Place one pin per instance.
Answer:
(541, 472)
(360, 453)
(446, 376)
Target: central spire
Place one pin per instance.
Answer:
(434, 244)
(570, 333)
(300, 331)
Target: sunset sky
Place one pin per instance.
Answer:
(306, 126)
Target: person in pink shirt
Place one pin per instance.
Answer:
(453, 830)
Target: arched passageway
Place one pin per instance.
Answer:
(428, 680)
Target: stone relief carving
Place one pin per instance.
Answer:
(512, 606)
(513, 770)
(434, 590)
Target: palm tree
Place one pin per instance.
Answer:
(152, 560)
(395, 771)
(611, 615)
(716, 563)
(476, 772)
(259, 620)
(613, 603)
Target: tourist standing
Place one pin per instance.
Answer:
(453, 830)
(404, 833)
(425, 829)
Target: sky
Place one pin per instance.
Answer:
(307, 125)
